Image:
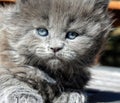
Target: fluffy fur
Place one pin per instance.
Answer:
(27, 58)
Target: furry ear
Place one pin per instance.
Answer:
(102, 4)
(21, 1)
(20, 4)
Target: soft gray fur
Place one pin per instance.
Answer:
(30, 72)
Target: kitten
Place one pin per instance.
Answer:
(46, 47)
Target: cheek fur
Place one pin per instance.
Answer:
(81, 44)
(67, 54)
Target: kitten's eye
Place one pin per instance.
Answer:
(71, 35)
(42, 31)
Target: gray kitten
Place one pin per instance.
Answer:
(46, 47)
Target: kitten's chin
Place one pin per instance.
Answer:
(54, 63)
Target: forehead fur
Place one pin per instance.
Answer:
(72, 8)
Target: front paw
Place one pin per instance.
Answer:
(70, 98)
(20, 95)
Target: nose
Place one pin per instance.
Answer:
(56, 45)
(56, 49)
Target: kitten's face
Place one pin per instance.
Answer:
(58, 32)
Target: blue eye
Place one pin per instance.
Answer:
(42, 31)
(72, 35)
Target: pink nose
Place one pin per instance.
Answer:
(56, 49)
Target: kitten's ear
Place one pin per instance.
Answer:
(20, 3)
(102, 4)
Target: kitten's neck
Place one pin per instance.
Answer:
(67, 81)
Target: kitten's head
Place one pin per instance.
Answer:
(58, 33)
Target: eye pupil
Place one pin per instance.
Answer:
(71, 35)
(42, 31)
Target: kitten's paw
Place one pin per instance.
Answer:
(70, 98)
(20, 96)
(24, 98)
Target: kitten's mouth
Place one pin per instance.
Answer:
(55, 58)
